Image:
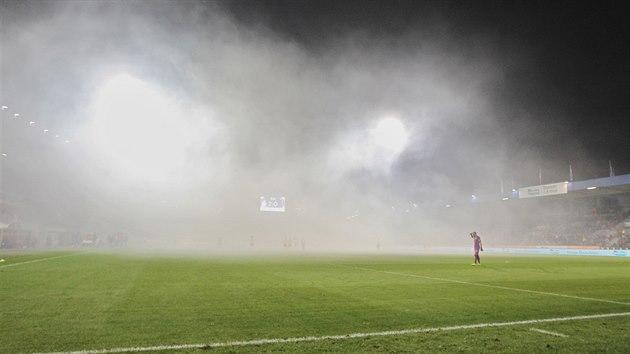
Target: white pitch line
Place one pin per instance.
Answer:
(548, 332)
(338, 337)
(36, 260)
(489, 286)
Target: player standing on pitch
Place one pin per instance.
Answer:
(477, 247)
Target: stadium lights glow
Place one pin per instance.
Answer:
(591, 188)
(375, 148)
(390, 134)
(30, 124)
(146, 123)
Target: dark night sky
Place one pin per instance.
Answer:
(573, 57)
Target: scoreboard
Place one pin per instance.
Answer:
(273, 204)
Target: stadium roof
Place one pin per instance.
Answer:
(600, 186)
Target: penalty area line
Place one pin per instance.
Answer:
(486, 285)
(340, 337)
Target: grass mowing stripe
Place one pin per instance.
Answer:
(486, 285)
(37, 260)
(343, 336)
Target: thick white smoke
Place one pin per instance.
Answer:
(182, 117)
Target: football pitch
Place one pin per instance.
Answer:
(97, 302)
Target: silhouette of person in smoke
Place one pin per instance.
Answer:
(477, 246)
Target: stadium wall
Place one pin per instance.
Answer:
(568, 251)
(561, 251)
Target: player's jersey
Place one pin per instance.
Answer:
(476, 242)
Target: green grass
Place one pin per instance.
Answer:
(51, 302)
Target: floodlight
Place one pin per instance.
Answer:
(139, 128)
(390, 134)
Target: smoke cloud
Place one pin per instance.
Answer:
(180, 115)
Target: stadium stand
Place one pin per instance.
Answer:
(593, 213)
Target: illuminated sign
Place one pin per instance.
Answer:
(544, 190)
(272, 204)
